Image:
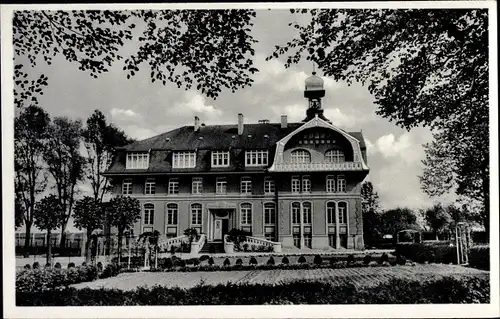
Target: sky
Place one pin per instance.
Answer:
(144, 109)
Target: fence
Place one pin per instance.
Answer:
(74, 244)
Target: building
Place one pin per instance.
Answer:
(296, 183)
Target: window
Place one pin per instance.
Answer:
(127, 187)
(330, 212)
(137, 160)
(268, 185)
(256, 158)
(197, 185)
(296, 240)
(196, 214)
(246, 214)
(335, 156)
(308, 240)
(246, 185)
(221, 185)
(295, 213)
(306, 184)
(172, 211)
(173, 186)
(295, 184)
(220, 159)
(330, 184)
(269, 214)
(149, 187)
(149, 214)
(341, 184)
(301, 156)
(184, 160)
(342, 213)
(306, 213)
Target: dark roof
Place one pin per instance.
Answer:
(221, 137)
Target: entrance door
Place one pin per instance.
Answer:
(218, 229)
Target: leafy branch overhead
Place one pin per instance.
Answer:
(206, 49)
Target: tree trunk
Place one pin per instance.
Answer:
(88, 253)
(120, 237)
(62, 244)
(49, 248)
(27, 240)
(437, 238)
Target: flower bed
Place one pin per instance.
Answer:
(479, 257)
(396, 291)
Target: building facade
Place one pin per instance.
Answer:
(295, 183)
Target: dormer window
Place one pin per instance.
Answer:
(184, 160)
(335, 156)
(137, 160)
(220, 159)
(301, 156)
(256, 158)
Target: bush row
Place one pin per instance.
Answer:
(428, 252)
(479, 257)
(395, 291)
(37, 279)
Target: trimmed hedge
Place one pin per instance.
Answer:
(438, 252)
(396, 291)
(479, 257)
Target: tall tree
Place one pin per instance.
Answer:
(397, 219)
(424, 67)
(123, 212)
(48, 216)
(438, 218)
(206, 49)
(89, 215)
(65, 164)
(100, 139)
(30, 136)
(371, 214)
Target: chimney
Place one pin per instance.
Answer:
(240, 124)
(196, 123)
(284, 121)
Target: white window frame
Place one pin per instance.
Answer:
(269, 186)
(171, 214)
(246, 214)
(220, 158)
(221, 185)
(296, 211)
(184, 159)
(198, 189)
(300, 156)
(330, 184)
(196, 214)
(150, 186)
(269, 214)
(256, 157)
(149, 214)
(137, 160)
(295, 184)
(306, 184)
(127, 187)
(246, 185)
(342, 211)
(307, 213)
(331, 210)
(341, 184)
(335, 156)
(173, 186)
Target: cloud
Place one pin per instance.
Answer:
(405, 147)
(138, 132)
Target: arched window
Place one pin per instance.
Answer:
(295, 213)
(149, 214)
(335, 156)
(307, 213)
(269, 214)
(330, 212)
(172, 212)
(301, 156)
(342, 208)
(196, 214)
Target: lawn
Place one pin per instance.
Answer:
(361, 277)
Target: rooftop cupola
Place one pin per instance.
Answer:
(314, 91)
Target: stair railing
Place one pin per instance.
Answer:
(196, 246)
(263, 242)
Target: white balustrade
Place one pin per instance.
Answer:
(196, 246)
(345, 166)
(164, 242)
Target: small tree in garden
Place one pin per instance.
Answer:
(302, 260)
(253, 261)
(211, 261)
(124, 211)
(239, 261)
(227, 262)
(88, 215)
(192, 234)
(285, 260)
(47, 215)
(271, 261)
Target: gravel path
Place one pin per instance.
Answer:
(366, 276)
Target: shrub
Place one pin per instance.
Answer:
(253, 261)
(439, 252)
(111, 270)
(333, 260)
(27, 266)
(99, 266)
(271, 261)
(84, 264)
(57, 265)
(350, 259)
(36, 265)
(71, 265)
(479, 257)
(204, 257)
(302, 260)
(245, 247)
(48, 265)
(196, 262)
(384, 258)
(285, 260)
(254, 248)
(239, 261)
(211, 261)
(227, 262)
(172, 250)
(400, 260)
(318, 260)
(179, 263)
(367, 259)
